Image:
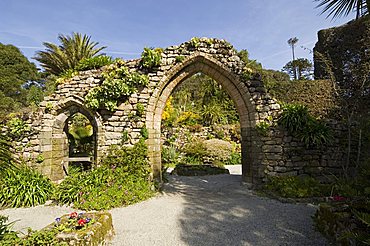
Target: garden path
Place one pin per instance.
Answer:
(214, 210)
(208, 210)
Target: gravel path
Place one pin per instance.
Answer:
(209, 210)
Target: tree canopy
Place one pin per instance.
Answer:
(299, 69)
(15, 72)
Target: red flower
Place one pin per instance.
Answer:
(73, 215)
(81, 222)
(338, 198)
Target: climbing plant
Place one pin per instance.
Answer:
(119, 82)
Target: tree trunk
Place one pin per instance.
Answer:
(358, 151)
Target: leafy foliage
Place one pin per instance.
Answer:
(15, 72)
(194, 42)
(140, 109)
(17, 127)
(151, 58)
(94, 62)
(252, 68)
(315, 133)
(121, 179)
(294, 117)
(119, 82)
(24, 187)
(170, 155)
(295, 187)
(199, 100)
(297, 120)
(58, 59)
(300, 69)
(80, 135)
(6, 159)
(42, 237)
(5, 227)
(263, 128)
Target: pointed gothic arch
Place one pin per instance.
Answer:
(230, 82)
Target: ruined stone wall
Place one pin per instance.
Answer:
(273, 154)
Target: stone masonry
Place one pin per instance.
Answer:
(273, 154)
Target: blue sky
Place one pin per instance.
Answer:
(260, 26)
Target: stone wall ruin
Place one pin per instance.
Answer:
(276, 153)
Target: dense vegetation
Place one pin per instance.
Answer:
(121, 179)
(18, 86)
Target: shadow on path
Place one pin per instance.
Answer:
(219, 210)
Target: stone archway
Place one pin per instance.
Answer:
(215, 58)
(58, 146)
(230, 82)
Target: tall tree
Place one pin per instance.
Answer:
(292, 42)
(15, 72)
(300, 68)
(338, 8)
(58, 59)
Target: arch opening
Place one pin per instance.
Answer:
(200, 130)
(82, 146)
(76, 135)
(237, 91)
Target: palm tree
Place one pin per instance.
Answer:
(292, 42)
(58, 59)
(338, 8)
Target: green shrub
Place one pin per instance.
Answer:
(94, 62)
(234, 159)
(121, 179)
(179, 59)
(144, 132)
(119, 82)
(5, 227)
(69, 73)
(263, 128)
(213, 114)
(298, 121)
(294, 117)
(151, 58)
(140, 109)
(315, 133)
(170, 155)
(295, 187)
(24, 187)
(125, 137)
(17, 127)
(345, 222)
(42, 237)
(6, 159)
(194, 42)
(195, 149)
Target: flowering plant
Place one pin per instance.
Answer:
(72, 222)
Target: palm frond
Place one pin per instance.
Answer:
(339, 8)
